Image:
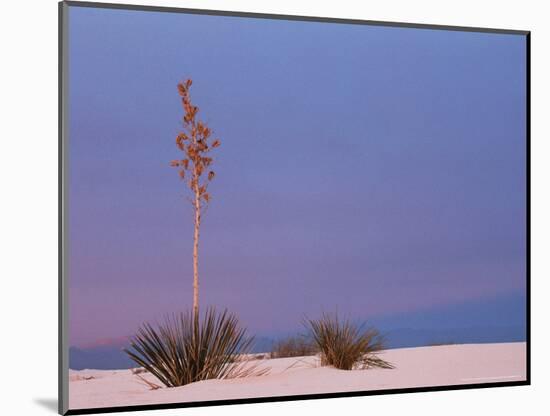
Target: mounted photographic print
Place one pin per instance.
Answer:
(265, 208)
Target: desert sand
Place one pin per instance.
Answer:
(414, 367)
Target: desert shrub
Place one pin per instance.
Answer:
(180, 352)
(440, 343)
(137, 370)
(345, 344)
(296, 346)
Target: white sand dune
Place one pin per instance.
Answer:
(415, 367)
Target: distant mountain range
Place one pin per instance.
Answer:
(500, 319)
(100, 358)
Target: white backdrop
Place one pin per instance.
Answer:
(28, 185)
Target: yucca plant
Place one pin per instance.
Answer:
(345, 344)
(179, 352)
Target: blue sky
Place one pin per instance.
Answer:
(375, 170)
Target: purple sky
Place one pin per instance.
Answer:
(374, 170)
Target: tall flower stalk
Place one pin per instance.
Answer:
(195, 141)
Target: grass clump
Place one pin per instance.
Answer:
(295, 346)
(346, 345)
(183, 350)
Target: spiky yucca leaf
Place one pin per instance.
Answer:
(346, 345)
(180, 352)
